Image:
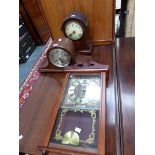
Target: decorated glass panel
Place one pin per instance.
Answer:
(76, 127)
(78, 116)
(83, 91)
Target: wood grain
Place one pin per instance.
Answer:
(35, 115)
(105, 55)
(69, 149)
(101, 131)
(125, 56)
(100, 14)
(55, 110)
(37, 17)
(29, 25)
(45, 94)
(119, 134)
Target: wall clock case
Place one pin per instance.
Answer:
(78, 121)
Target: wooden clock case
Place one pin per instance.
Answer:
(65, 44)
(101, 31)
(78, 17)
(83, 45)
(68, 149)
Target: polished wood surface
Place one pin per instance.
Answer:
(100, 14)
(101, 132)
(125, 56)
(34, 11)
(29, 25)
(105, 55)
(65, 44)
(119, 121)
(35, 116)
(79, 67)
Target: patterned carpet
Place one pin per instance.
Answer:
(27, 85)
(25, 68)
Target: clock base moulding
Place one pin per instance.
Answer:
(86, 67)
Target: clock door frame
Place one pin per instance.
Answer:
(63, 149)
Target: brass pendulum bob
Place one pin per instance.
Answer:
(71, 137)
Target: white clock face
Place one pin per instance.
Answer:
(59, 57)
(74, 30)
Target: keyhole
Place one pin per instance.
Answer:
(91, 64)
(80, 65)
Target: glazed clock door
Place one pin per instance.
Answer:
(74, 30)
(78, 119)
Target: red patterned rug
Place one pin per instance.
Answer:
(27, 85)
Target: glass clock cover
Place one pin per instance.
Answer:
(59, 57)
(83, 122)
(74, 30)
(82, 91)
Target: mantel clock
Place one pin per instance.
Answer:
(61, 52)
(75, 25)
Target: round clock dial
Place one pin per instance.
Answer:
(74, 30)
(74, 26)
(59, 57)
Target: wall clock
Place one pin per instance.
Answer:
(78, 121)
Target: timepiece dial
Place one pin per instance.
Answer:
(78, 93)
(74, 30)
(59, 57)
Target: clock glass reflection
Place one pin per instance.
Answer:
(74, 30)
(59, 57)
(82, 91)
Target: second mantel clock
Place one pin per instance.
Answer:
(61, 52)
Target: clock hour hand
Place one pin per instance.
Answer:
(72, 33)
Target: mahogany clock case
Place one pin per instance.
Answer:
(62, 43)
(78, 17)
(65, 44)
(83, 46)
(70, 113)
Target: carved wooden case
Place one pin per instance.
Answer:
(78, 17)
(63, 43)
(78, 121)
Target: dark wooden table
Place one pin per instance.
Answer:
(35, 116)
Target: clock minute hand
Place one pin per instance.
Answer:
(61, 60)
